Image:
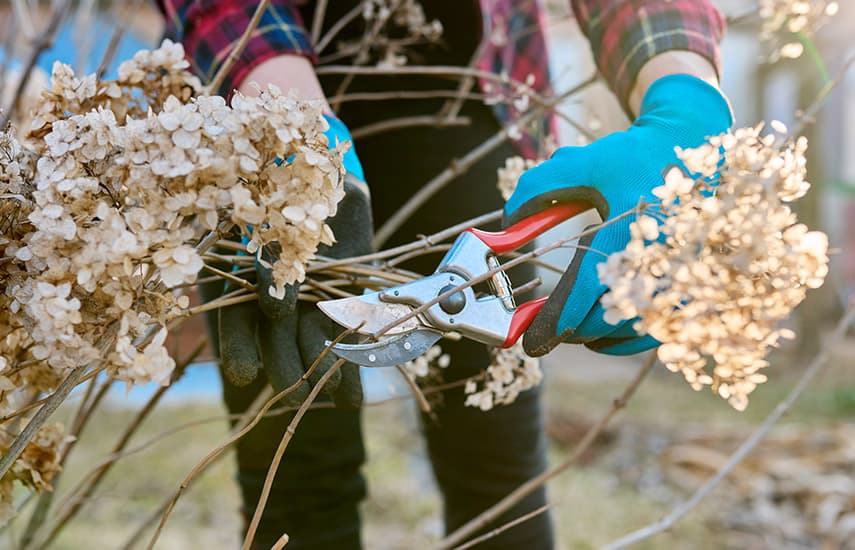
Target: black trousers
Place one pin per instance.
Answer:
(477, 457)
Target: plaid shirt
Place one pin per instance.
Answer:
(624, 34)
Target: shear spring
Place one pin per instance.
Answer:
(501, 285)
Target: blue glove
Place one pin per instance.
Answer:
(613, 174)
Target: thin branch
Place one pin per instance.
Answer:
(240, 281)
(280, 451)
(502, 528)
(219, 303)
(318, 20)
(491, 514)
(459, 167)
(423, 242)
(44, 41)
(456, 168)
(9, 39)
(424, 405)
(50, 405)
(238, 434)
(89, 483)
(408, 122)
(245, 419)
(22, 15)
(748, 445)
(217, 81)
(808, 114)
(404, 94)
(116, 39)
(337, 27)
(84, 412)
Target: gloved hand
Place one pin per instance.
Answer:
(284, 337)
(613, 174)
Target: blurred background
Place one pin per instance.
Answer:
(796, 491)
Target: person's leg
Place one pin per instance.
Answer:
(318, 487)
(478, 457)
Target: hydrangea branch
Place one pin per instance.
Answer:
(283, 445)
(502, 528)
(239, 433)
(458, 167)
(216, 82)
(42, 43)
(80, 494)
(490, 515)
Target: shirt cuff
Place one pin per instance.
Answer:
(210, 30)
(626, 34)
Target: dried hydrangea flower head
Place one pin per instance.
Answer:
(104, 204)
(35, 468)
(511, 372)
(783, 20)
(714, 268)
(509, 174)
(391, 26)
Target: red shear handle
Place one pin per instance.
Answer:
(521, 320)
(526, 230)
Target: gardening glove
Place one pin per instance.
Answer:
(612, 174)
(284, 336)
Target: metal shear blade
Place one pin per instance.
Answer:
(390, 351)
(369, 312)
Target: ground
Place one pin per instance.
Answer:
(617, 489)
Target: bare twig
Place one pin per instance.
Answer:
(220, 303)
(459, 167)
(217, 81)
(318, 20)
(321, 44)
(87, 408)
(116, 38)
(240, 281)
(83, 491)
(748, 445)
(420, 243)
(9, 37)
(22, 14)
(491, 514)
(404, 94)
(238, 434)
(44, 41)
(280, 451)
(50, 405)
(502, 528)
(808, 113)
(429, 189)
(249, 416)
(407, 122)
(424, 405)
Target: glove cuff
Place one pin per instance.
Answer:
(689, 99)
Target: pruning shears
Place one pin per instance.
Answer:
(407, 320)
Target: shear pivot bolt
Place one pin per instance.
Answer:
(452, 304)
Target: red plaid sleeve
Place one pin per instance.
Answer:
(209, 29)
(625, 34)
